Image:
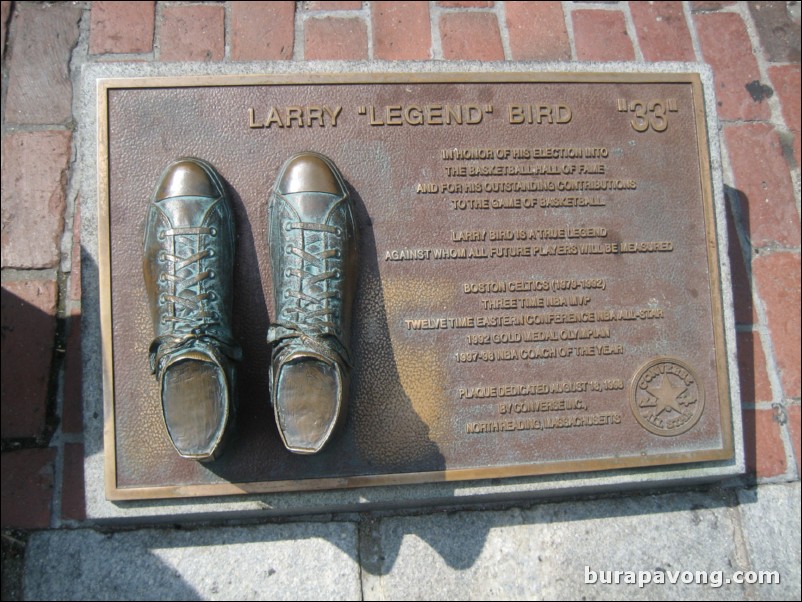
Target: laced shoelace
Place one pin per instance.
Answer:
(190, 312)
(312, 308)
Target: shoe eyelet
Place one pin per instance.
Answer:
(211, 274)
(288, 273)
(288, 249)
(337, 273)
(338, 231)
(160, 235)
(162, 256)
(163, 320)
(210, 253)
(163, 277)
(337, 253)
(286, 294)
(212, 295)
(162, 298)
(287, 226)
(212, 231)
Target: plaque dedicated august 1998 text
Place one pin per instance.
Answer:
(539, 286)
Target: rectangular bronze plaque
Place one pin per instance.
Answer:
(539, 286)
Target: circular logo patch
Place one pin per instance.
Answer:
(666, 397)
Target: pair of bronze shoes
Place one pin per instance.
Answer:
(190, 245)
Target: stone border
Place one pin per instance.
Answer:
(98, 509)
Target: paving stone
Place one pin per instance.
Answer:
(471, 36)
(785, 80)
(761, 175)
(192, 33)
(662, 534)
(462, 556)
(763, 445)
(27, 487)
(543, 553)
(725, 45)
(262, 30)
(794, 428)
(73, 505)
(601, 35)
(778, 30)
(711, 5)
(332, 38)
(537, 31)
(465, 4)
(298, 561)
(755, 386)
(75, 257)
(332, 5)
(29, 325)
(401, 30)
(771, 527)
(778, 282)
(72, 408)
(121, 27)
(662, 31)
(741, 283)
(34, 175)
(39, 87)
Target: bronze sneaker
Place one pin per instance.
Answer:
(188, 267)
(312, 241)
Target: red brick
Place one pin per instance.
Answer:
(33, 198)
(711, 5)
(755, 386)
(192, 33)
(471, 36)
(765, 452)
(779, 33)
(331, 38)
(761, 174)
(464, 4)
(75, 261)
(262, 30)
(29, 327)
(333, 5)
(794, 428)
(27, 478)
(5, 11)
(39, 87)
(741, 283)
(601, 35)
(72, 410)
(537, 31)
(401, 30)
(662, 31)
(777, 282)
(726, 46)
(121, 27)
(73, 505)
(786, 83)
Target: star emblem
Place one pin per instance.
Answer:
(666, 394)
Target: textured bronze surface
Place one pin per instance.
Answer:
(538, 284)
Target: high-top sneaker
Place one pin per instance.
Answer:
(188, 267)
(312, 240)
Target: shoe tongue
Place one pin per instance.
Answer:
(192, 354)
(312, 206)
(186, 211)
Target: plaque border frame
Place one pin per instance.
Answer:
(114, 493)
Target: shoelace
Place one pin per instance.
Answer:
(190, 312)
(312, 307)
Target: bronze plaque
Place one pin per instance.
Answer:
(538, 292)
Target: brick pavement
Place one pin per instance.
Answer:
(753, 48)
